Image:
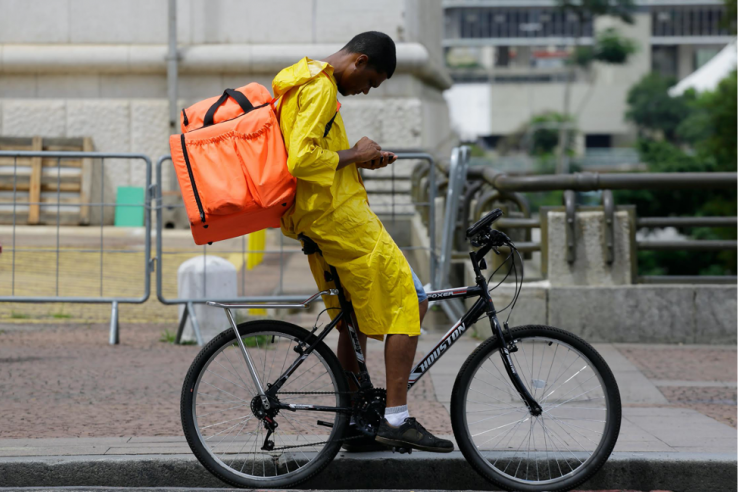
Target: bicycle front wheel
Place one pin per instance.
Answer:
(221, 412)
(557, 450)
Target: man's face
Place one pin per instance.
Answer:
(360, 78)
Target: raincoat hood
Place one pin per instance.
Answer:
(299, 74)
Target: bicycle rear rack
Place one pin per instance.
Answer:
(260, 305)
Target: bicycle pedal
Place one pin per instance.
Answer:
(325, 424)
(402, 450)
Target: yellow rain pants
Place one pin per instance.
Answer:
(332, 209)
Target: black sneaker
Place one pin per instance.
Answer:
(412, 435)
(363, 444)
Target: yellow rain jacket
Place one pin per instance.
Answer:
(332, 209)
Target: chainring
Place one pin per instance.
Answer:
(369, 410)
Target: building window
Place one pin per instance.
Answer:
(664, 60)
(598, 141)
(495, 23)
(679, 21)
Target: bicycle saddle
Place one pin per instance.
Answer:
(483, 223)
(308, 245)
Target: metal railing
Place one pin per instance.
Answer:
(486, 187)
(39, 258)
(283, 251)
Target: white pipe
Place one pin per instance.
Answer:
(412, 58)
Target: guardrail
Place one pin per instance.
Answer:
(55, 203)
(485, 187)
(283, 252)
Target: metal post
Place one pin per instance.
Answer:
(195, 325)
(172, 67)
(570, 226)
(172, 72)
(608, 204)
(182, 323)
(114, 336)
(432, 224)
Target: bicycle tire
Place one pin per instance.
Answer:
(488, 351)
(190, 393)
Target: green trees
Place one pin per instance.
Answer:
(690, 133)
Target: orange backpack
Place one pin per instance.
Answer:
(231, 164)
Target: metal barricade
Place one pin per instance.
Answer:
(287, 247)
(26, 283)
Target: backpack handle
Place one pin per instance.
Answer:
(236, 96)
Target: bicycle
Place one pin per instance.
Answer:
(266, 403)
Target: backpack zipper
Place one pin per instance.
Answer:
(192, 179)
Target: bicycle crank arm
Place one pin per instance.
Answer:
(533, 406)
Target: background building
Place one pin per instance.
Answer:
(507, 59)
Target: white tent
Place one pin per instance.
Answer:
(709, 75)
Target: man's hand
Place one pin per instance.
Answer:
(384, 159)
(366, 150)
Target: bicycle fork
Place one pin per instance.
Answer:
(505, 350)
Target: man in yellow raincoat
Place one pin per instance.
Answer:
(332, 209)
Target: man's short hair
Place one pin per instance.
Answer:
(378, 47)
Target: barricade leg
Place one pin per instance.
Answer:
(114, 337)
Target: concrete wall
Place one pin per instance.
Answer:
(97, 67)
(627, 313)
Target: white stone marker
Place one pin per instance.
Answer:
(208, 277)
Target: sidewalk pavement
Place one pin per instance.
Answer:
(678, 430)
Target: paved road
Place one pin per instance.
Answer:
(158, 489)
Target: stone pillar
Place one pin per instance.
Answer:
(206, 277)
(590, 266)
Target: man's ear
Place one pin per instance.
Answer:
(361, 61)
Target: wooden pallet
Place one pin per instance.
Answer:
(45, 190)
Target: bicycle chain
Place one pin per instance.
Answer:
(343, 439)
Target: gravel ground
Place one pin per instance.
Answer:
(66, 381)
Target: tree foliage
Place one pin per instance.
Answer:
(731, 11)
(696, 134)
(653, 111)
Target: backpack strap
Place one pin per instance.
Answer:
(242, 101)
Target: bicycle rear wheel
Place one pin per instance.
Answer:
(219, 399)
(557, 450)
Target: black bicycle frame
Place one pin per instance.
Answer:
(483, 306)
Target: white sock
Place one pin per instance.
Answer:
(396, 415)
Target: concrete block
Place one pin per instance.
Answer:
(34, 21)
(149, 134)
(288, 21)
(337, 21)
(238, 80)
(715, 314)
(589, 267)
(401, 123)
(133, 86)
(26, 118)
(108, 123)
(362, 119)
(110, 21)
(197, 87)
(636, 313)
(206, 277)
(62, 86)
(17, 86)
